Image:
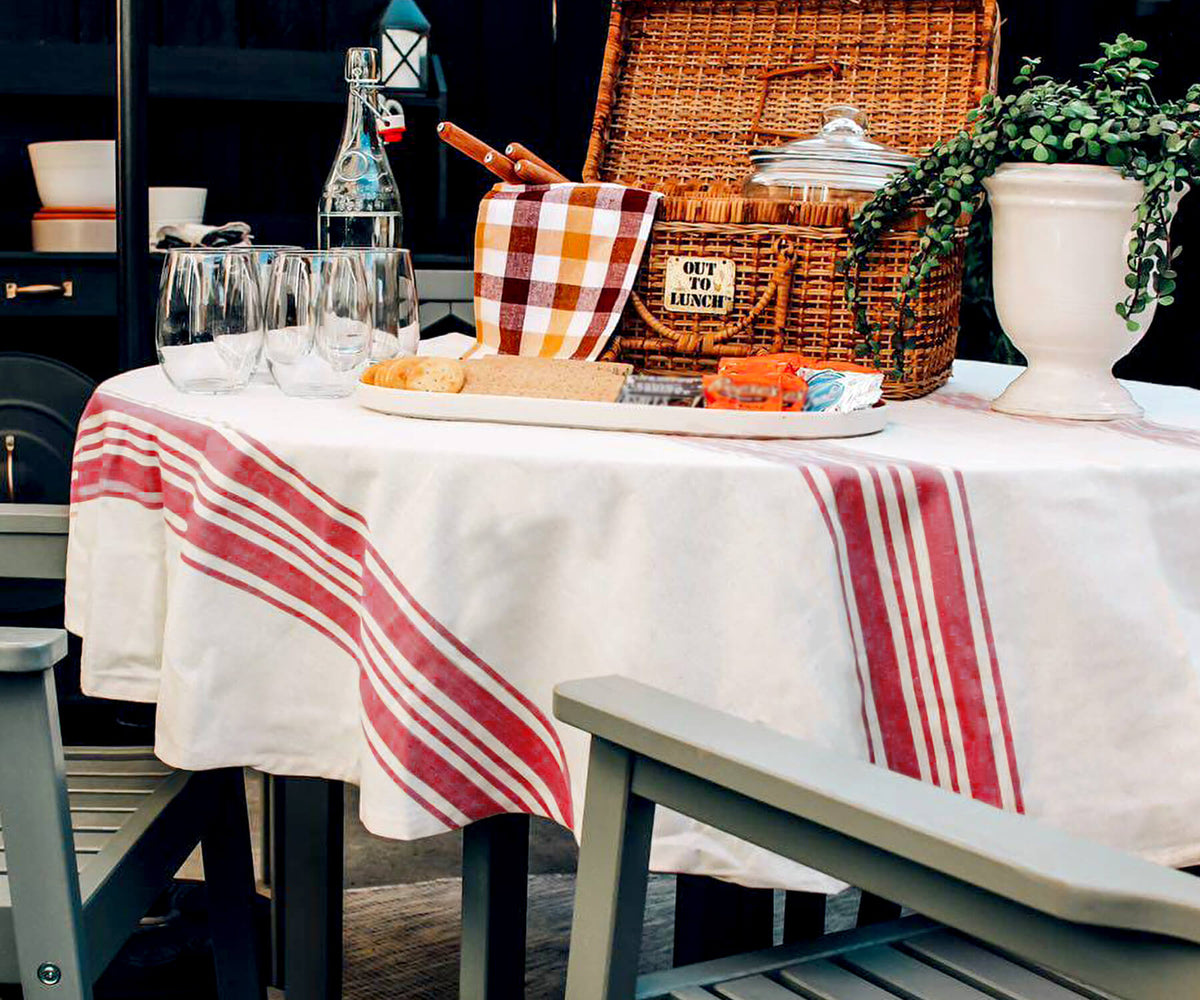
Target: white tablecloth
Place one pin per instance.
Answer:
(1005, 606)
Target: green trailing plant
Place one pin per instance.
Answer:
(1111, 118)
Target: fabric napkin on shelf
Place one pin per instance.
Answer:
(554, 265)
(195, 234)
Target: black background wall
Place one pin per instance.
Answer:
(514, 71)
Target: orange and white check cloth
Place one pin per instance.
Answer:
(554, 265)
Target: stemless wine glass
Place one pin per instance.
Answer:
(209, 322)
(396, 326)
(318, 322)
(263, 255)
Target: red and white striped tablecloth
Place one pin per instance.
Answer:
(1003, 606)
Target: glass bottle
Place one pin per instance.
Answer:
(360, 205)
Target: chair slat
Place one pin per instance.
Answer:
(691, 993)
(118, 767)
(825, 981)
(985, 969)
(754, 988)
(99, 820)
(141, 783)
(908, 976)
(110, 801)
(85, 843)
(109, 753)
(81, 861)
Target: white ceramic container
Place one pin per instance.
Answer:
(176, 206)
(1059, 235)
(75, 235)
(79, 174)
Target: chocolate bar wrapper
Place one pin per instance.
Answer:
(662, 390)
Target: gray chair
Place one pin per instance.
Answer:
(90, 837)
(1009, 909)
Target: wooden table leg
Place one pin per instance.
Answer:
(495, 868)
(306, 898)
(714, 919)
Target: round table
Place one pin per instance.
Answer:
(1008, 607)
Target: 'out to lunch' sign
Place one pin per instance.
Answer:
(699, 285)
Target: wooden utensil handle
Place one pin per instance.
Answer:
(515, 151)
(478, 150)
(535, 173)
(502, 167)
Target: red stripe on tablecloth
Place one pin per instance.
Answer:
(445, 633)
(123, 495)
(408, 790)
(504, 724)
(843, 579)
(997, 681)
(251, 557)
(945, 545)
(463, 650)
(285, 537)
(923, 618)
(906, 623)
(246, 587)
(423, 760)
(561, 788)
(387, 672)
(223, 543)
(899, 740)
(942, 545)
(235, 464)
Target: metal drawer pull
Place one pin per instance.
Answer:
(12, 289)
(10, 446)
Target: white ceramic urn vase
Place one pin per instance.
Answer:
(1059, 238)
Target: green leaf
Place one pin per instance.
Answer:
(1041, 154)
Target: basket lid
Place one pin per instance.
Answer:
(690, 87)
(840, 156)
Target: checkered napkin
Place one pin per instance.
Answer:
(554, 265)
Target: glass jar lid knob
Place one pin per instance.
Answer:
(844, 121)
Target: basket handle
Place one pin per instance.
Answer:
(778, 289)
(833, 66)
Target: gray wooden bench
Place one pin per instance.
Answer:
(89, 837)
(1009, 909)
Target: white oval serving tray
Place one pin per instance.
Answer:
(620, 416)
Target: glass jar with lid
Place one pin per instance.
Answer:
(839, 165)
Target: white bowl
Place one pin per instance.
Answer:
(79, 174)
(75, 235)
(176, 206)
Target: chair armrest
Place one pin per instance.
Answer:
(1006, 854)
(24, 650)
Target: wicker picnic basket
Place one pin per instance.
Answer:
(690, 87)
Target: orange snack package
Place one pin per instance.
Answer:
(774, 391)
(790, 363)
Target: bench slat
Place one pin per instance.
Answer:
(139, 783)
(754, 988)
(906, 975)
(825, 981)
(985, 969)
